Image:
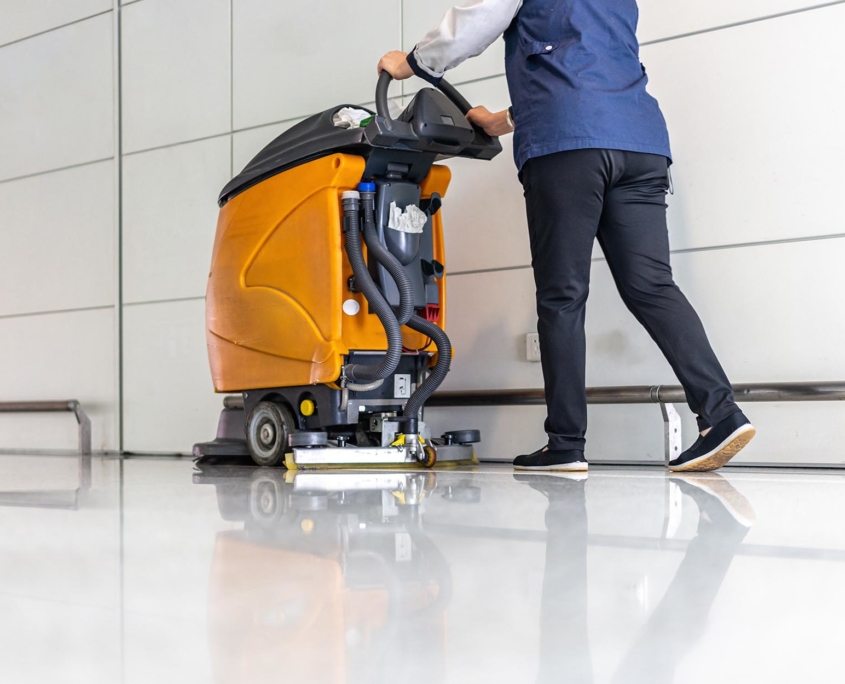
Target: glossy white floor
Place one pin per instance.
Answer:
(150, 570)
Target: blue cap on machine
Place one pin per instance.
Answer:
(366, 187)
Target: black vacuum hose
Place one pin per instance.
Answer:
(364, 281)
(440, 370)
(386, 258)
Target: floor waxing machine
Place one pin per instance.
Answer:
(326, 299)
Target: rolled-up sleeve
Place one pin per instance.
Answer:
(465, 31)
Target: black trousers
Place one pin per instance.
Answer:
(572, 198)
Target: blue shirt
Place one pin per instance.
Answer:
(576, 80)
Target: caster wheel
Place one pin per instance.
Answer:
(267, 430)
(309, 438)
(430, 456)
(462, 436)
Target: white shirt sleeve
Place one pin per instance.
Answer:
(465, 31)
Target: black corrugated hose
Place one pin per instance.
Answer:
(383, 256)
(440, 370)
(364, 281)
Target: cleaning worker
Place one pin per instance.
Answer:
(592, 152)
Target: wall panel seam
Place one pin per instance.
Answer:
(177, 144)
(690, 250)
(118, 247)
(169, 300)
(54, 312)
(744, 22)
(56, 170)
(55, 28)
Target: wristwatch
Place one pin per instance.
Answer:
(509, 117)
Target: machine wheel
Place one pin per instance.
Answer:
(309, 438)
(430, 456)
(462, 436)
(267, 431)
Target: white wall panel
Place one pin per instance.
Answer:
(169, 218)
(59, 356)
(615, 433)
(489, 314)
(57, 240)
(23, 19)
(787, 433)
(57, 99)
(484, 211)
(249, 142)
(246, 144)
(293, 59)
(762, 309)
(420, 16)
(744, 170)
(176, 81)
(169, 399)
(484, 215)
(756, 129)
(665, 18)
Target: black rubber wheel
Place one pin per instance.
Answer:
(463, 436)
(309, 438)
(267, 430)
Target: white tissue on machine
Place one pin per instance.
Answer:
(411, 220)
(350, 117)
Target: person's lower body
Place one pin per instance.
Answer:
(573, 198)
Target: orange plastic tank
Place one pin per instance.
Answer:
(278, 280)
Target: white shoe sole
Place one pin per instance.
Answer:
(723, 453)
(577, 467)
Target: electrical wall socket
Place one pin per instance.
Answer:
(532, 347)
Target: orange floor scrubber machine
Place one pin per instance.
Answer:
(326, 300)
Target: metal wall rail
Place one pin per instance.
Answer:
(665, 395)
(63, 406)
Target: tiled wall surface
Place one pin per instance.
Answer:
(748, 90)
(58, 230)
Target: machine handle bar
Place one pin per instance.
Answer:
(445, 87)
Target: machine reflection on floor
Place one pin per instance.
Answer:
(335, 565)
(339, 567)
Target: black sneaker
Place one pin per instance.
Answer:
(569, 460)
(717, 447)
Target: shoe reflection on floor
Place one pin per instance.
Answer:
(679, 620)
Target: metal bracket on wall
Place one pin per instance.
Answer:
(671, 432)
(67, 405)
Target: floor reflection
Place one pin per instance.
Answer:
(152, 569)
(679, 620)
(334, 568)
